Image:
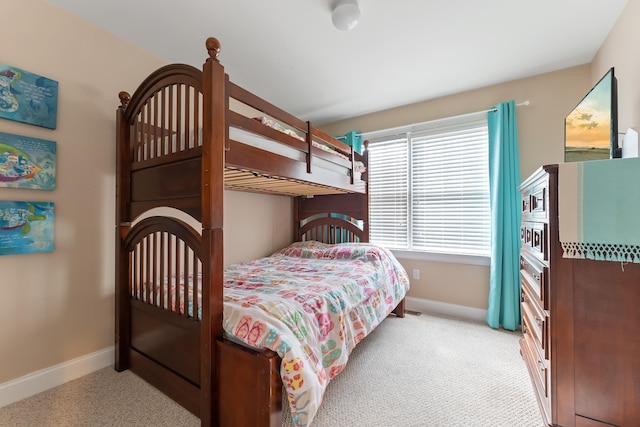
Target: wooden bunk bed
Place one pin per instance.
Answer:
(184, 137)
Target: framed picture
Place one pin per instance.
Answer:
(26, 227)
(591, 129)
(27, 97)
(27, 162)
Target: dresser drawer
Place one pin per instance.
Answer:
(535, 200)
(534, 239)
(535, 321)
(540, 375)
(537, 365)
(536, 275)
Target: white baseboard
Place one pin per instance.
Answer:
(44, 379)
(430, 306)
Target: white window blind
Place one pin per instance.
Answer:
(389, 193)
(429, 188)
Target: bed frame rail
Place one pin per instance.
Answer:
(253, 386)
(302, 178)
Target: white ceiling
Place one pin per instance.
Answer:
(402, 51)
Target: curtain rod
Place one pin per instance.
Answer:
(408, 127)
(521, 104)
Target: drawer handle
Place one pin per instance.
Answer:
(541, 366)
(538, 321)
(536, 202)
(523, 298)
(537, 277)
(524, 329)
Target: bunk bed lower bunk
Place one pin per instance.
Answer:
(191, 327)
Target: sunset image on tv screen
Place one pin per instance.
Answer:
(588, 127)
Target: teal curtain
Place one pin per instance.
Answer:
(504, 178)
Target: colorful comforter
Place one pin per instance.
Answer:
(311, 303)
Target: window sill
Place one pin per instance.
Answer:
(439, 257)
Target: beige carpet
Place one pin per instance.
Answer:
(418, 371)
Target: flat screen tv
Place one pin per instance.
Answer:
(591, 129)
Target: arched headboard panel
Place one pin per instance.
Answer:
(160, 141)
(164, 265)
(161, 270)
(330, 229)
(332, 218)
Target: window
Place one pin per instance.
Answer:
(429, 187)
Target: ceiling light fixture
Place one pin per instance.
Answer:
(345, 14)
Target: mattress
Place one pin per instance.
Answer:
(258, 141)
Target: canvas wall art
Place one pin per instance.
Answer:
(27, 97)
(26, 227)
(27, 162)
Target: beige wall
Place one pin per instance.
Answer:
(58, 306)
(622, 51)
(540, 135)
(255, 225)
(540, 125)
(540, 131)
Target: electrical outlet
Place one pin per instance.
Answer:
(416, 274)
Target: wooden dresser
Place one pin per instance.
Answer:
(581, 320)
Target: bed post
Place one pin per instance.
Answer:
(122, 312)
(214, 136)
(366, 199)
(296, 218)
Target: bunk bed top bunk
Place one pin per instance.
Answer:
(266, 149)
(183, 137)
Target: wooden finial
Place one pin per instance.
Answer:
(124, 99)
(213, 47)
